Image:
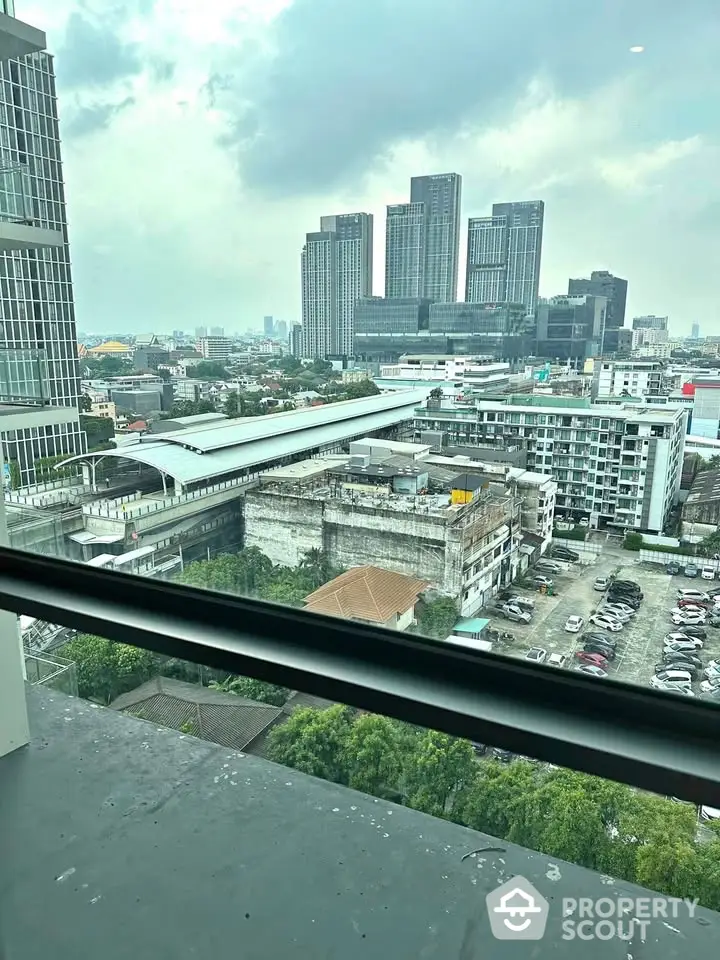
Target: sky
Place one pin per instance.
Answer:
(201, 141)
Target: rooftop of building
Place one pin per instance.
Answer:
(122, 839)
(705, 488)
(214, 449)
(572, 406)
(367, 593)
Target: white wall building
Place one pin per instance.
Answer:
(634, 378)
(215, 348)
(466, 372)
(618, 465)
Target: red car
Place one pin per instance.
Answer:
(593, 659)
(700, 604)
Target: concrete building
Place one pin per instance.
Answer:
(215, 348)
(634, 378)
(701, 510)
(618, 465)
(571, 329)
(192, 389)
(295, 342)
(648, 336)
(422, 240)
(601, 283)
(695, 332)
(385, 329)
(464, 550)
(504, 253)
(470, 373)
(38, 337)
(103, 408)
(268, 327)
(650, 322)
(336, 271)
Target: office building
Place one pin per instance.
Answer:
(281, 329)
(215, 348)
(387, 328)
(200, 332)
(648, 336)
(503, 255)
(650, 322)
(336, 267)
(268, 326)
(695, 334)
(570, 329)
(38, 339)
(422, 240)
(614, 465)
(217, 331)
(295, 343)
(601, 283)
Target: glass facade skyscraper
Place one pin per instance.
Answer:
(504, 251)
(422, 240)
(37, 312)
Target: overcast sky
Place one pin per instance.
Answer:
(202, 140)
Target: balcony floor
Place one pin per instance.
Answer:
(120, 839)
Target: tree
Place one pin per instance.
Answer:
(436, 618)
(363, 388)
(98, 429)
(106, 669)
(436, 393)
(439, 772)
(317, 566)
(313, 741)
(253, 689)
(85, 404)
(232, 405)
(373, 755)
(209, 370)
(191, 408)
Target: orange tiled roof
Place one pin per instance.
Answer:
(367, 593)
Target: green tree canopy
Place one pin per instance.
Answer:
(106, 669)
(363, 388)
(314, 742)
(437, 617)
(253, 689)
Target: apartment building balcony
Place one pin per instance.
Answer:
(18, 39)
(20, 225)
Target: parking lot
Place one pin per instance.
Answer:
(639, 644)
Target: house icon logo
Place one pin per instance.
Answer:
(517, 911)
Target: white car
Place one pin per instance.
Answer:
(606, 622)
(709, 813)
(680, 638)
(688, 619)
(574, 624)
(688, 608)
(708, 573)
(613, 612)
(671, 678)
(620, 607)
(556, 660)
(691, 594)
(712, 674)
(536, 655)
(713, 664)
(680, 647)
(707, 686)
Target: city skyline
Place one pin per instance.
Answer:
(170, 82)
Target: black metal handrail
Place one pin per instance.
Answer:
(651, 740)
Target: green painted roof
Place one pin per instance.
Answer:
(471, 625)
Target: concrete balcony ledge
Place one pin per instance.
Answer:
(26, 236)
(18, 39)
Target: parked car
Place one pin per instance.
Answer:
(574, 624)
(707, 572)
(592, 659)
(696, 619)
(713, 694)
(504, 756)
(710, 673)
(691, 570)
(620, 588)
(691, 631)
(600, 648)
(685, 667)
(606, 622)
(610, 610)
(683, 637)
(598, 637)
(681, 658)
(548, 566)
(591, 670)
(525, 603)
(515, 614)
(709, 813)
(673, 568)
(692, 604)
(542, 581)
(671, 678)
(536, 655)
(628, 585)
(479, 748)
(714, 663)
(556, 660)
(601, 584)
(707, 686)
(691, 593)
(564, 553)
(679, 648)
(623, 598)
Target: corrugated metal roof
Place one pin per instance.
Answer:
(230, 434)
(209, 714)
(193, 466)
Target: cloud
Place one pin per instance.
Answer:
(93, 52)
(339, 84)
(86, 120)
(637, 171)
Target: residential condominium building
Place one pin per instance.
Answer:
(503, 255)
(422, 240)
(215, 348)
(37, 313)
(615, 465)
(632, 378)
(336, 268)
